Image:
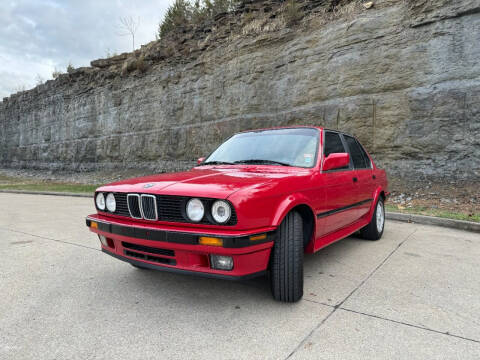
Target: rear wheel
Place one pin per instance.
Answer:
(287, 260)
(374, 230)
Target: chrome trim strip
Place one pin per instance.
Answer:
(154, 206)
(139, 206)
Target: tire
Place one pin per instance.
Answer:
(374, 230)
(139, 267)
(287, 260)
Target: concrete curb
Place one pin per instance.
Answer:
(53, 193)
(418, 219)
(431, 220)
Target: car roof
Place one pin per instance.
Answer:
(283, 127)
(297, 127)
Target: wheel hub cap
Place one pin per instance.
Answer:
(380, 217)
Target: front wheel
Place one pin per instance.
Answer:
(374, 230)
(287, 260)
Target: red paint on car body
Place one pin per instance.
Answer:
(340, 202)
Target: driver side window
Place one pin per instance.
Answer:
(333, 144)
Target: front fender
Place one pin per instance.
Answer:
(287, 204)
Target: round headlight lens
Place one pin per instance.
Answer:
(195, 210)
(221, 211)
(100, 201)
(111, 203)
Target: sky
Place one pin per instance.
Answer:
(39, 36)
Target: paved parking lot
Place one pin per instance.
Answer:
(413, 295)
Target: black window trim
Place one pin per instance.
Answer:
(350, 167)
(351, 158)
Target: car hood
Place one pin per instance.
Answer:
(213, 182)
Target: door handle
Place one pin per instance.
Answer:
(374, 177)
(355, 179)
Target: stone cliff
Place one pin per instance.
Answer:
(403, 76)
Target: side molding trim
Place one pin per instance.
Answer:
(334, 211)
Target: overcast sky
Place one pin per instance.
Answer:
(37, 36)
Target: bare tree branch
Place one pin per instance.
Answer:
(128, 27)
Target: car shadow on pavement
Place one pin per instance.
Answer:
(169, 286)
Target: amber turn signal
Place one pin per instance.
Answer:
(258, 237)
(93, 225)
(212, 241)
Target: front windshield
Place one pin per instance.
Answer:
(288, 147)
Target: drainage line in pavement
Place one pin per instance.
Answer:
(411, 325)
(46, 238)
(311, 333)
(375, 270)
(394, 321)
(336, 307)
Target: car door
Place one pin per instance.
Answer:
(335, 212)
(363, 176)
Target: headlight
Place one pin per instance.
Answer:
(100, 201)
(221, 211)
(111, 203)
(195, 210)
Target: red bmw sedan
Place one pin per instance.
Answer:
(255, 205)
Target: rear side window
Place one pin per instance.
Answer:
(333, 144)
(365, 156)
(357, 153)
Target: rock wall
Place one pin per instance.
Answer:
(403, 76)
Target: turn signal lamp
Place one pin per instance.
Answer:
(258, 237)
(211, 241)
(94, 225)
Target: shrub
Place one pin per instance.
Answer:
(178, 14)
(141, 65)
(184, 12)
(292, 12)
(56, 73)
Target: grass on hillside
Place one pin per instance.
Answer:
(51, 187)
(421, 210)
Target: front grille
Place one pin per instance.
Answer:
(122, 207)
(134, 206)
(169, 208)
(150, 258)
(149, 207)
(148, 249)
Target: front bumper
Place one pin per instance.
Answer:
(177, 249)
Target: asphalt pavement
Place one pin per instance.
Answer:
(415, 294)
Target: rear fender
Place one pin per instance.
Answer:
(378, 192)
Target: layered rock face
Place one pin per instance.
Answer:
(403, 76)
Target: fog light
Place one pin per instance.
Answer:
(103, 240)
(220, 262)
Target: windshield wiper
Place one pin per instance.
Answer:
(216, 163)
(261, 161)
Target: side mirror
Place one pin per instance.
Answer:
(200, 160)
(336, 161)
